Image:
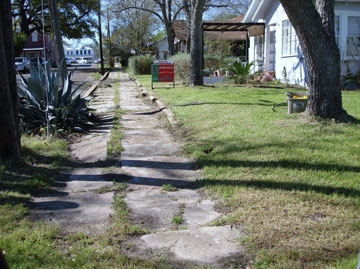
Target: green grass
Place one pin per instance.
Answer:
(114, 147)
(290, 180)
(178, 218)
(169, 187)
(96, 75)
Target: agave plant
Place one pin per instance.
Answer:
(240, 70)
(42, 98)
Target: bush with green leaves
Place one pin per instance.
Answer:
(67, 110)
(240, 70)
(141, 65)
(181, 63)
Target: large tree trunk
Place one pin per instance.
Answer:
(315, 30)
(186, 4)
(166, 7)
(59, 48)
(196, 46)
(170, 39)
(9, 121)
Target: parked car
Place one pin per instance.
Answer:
(34, 61)
(22, 64)
(82, 61)
(68, 61)
(73, 61)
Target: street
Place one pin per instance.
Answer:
(82, 74)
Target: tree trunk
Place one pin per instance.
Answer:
(170, 39)
(315, 30)
(9, 121)
(186, 5)
(58, 40)
(196, 46)
(168, 22)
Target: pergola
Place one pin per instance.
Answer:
(231, 30)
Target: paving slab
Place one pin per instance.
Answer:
(204, 245)
(151, 159)
(81, 208)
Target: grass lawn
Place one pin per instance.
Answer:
(292, 182)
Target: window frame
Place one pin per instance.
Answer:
(338, 38)
(357, 56)
(292, 43)
(35, 36)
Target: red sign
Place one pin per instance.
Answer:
(166, 73)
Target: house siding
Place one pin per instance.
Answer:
(294, 64)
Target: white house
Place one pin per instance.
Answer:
(86, 53)
(278, 49)
(162, 48)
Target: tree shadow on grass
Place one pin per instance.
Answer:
(261, 103)
(285, 186)
(289, 164)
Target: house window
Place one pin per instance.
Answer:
(337, 30)
(34, 37)
(290, 41)
(89, 52)
(259, 43)
(81, 52)
(77, 52)
(353, 37)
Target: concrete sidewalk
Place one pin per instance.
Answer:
(80, 208)
(178, 222)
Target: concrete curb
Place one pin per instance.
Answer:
(96, 84)
(168, 113)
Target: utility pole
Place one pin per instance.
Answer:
(100, 39)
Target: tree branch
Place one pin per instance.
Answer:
(144, 9)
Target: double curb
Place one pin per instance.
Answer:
(168, 113)
(96, 84)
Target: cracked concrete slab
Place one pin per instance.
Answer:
(151, 159)
(81, 208)
(204, 244)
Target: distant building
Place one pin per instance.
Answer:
(39, 46)
(162, 49)
(75, 54)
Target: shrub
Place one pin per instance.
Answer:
(241, 71)
(213, 63)
(141, 65)
(181, 65)
(67, 110)
(111, 61)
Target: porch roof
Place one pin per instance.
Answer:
(233, 30)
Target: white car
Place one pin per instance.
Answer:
(68, 62)
(22, 64)
(82, 61)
